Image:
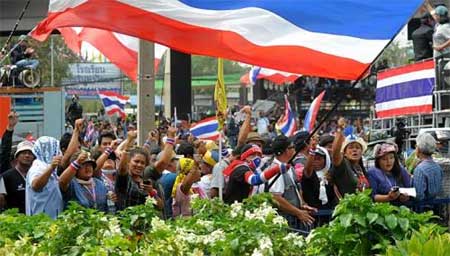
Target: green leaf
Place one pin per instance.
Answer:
(346, 220)
(391, 221)
(404, 223)
(371, 217)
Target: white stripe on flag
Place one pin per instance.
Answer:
(427, 73)
(402, 103)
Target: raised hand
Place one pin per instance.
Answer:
(171, 132)
(55, 161)
(13, 119)
(79, 123)
(342, 123)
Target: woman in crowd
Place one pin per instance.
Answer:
(42, 193)
(131, 188)
(185, 186)
(348, 173)
(317, 190)
(388, 175)
(77, 183)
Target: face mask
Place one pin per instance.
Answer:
(255, 162)
(108, 172)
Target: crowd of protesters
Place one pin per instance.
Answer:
(110, 173)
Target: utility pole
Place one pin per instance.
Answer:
(145, 90)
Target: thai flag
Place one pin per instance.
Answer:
(275, 76)
(121, 50)
(287, 124)
(338, 38)
(405, 90)
(113, 103)
(311, 115)
(206, 129)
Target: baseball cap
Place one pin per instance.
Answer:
(23, 146)
(354, 139)
(280, 144)
(301, 140)
(88, 160)
(211, 157)
(254, 136)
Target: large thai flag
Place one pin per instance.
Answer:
(338, 38)
(275, 76)
(113, 103)
(405, 90)
(287, 123)
(311, 115)
(120, 49)
(206, 129)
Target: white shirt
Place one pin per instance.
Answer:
(278, 186)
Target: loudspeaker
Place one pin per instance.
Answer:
(413, 24)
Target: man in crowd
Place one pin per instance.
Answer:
(22, 55)
(422, 38)
(284, 188)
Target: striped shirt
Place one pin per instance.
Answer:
(427, 179)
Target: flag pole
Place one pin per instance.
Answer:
(221, 171)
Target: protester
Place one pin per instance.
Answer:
(13, 180)
(42, 194)
(348, 173)
(285, 189)
(78, 184)
(184, 187)
(427, 174)
(388, 175)
(22, 55)
(441, 36)
(209, 160)
(74, 111)
(242, 175)
(317, 189)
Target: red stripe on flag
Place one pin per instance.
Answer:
(406, 69)
(144, 25)
(423, 109)
(5, 108)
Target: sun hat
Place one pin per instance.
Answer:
(23, 146)
(354, 139)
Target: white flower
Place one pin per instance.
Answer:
(296, 239)
(236, 209)
(158, 224)
(278, 220)
(265, 244)
(206, 224)
(114, 226)
(195, 196)
(256, 252)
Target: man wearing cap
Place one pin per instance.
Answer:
(243, 175)
(284, 188)
(13, 180)
(301, 141)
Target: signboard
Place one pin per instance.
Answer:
(88, 78)
(5, 107)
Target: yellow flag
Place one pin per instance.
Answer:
(220, 95)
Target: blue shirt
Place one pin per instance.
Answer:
(382, 182)
(427, 179)
(86, 197)
(48, 199)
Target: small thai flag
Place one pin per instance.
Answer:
(113, 103)
(206, 129)
(287, 124)
(311, 115)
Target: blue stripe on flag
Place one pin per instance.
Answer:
(410, 89)
(108, 102)
(363, 19)
(198, 131)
